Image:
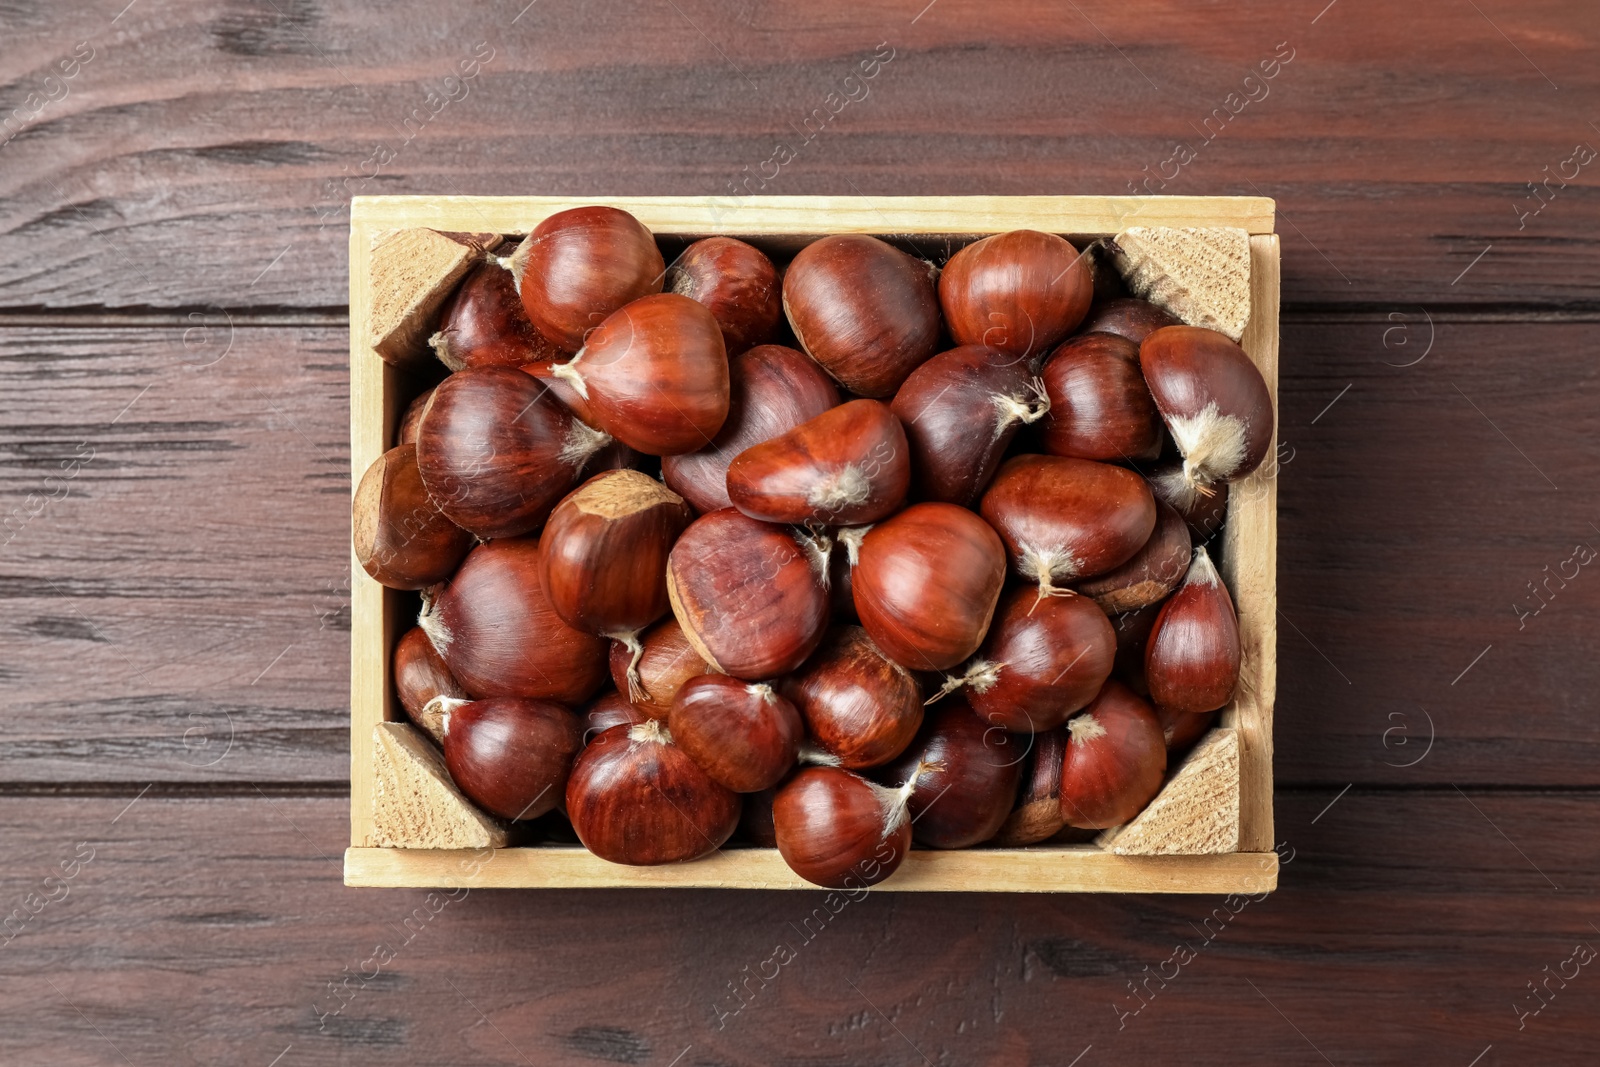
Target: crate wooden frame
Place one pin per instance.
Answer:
(1249, 552)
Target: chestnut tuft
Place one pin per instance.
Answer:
(652, 668)
(744, 735)
(1204, 512)
(1020, 292)
(510, 755)
(737, 282)
(840, 831)
(579, 266)
(420, 675)
(963, 774)
(401, 537)
(849, 465)
(861, 708)
(1116, 760)
(1191, 660)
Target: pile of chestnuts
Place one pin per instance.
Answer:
(836, 556)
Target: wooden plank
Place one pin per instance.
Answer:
(223, 144)
(211, 931)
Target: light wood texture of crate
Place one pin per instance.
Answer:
(1209, 831)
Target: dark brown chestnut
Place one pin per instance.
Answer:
(772, 389)
(1128, 317)
(634, 797)
(654, 375)
(737, 282)
(406, 432)
(749, 597)
(961, 410)
(1037, 816)
(861, 708)
(1153, 572)
(653, 671)
(509, 755)
(496, 451)
(743, 734)
(401, 537)
(580, 265)
(1116, 760)
(605, 551)
(963, 773)
(608, 709)
(1065, 519)
(1203, 511)
(483, 323)
(1133, 633)
(500, 636)
(420, 675)
(1020, 292)
(840, 831)
(1191, 660)
(1099, 406)
(927, 584)
(1183, 730)
(849, 465)
(863, 309)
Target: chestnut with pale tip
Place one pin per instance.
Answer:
(652, 667)
(772, 389)
(580, 265)
(1191, 660)
(1153, 572)
(510, 755)
(737, 282)
(749, 596)
(1099, 406)
(1203, 511)
(1037, 816)
(496, 451)
(743, 734)
(636, 798)
(863, 309)
(1115, 762)
(420, 675)
(861, 709)
(654, 375)
(401, 538)
(1020, 292)
(837, 830)
(963, 774)
(483, 324)
(1127, 317)
(847, 466)
(927, 584)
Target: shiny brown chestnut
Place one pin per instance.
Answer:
(963, 774)
(653, 670)
(561, 388)
(608, 709)
(927, 584)
(483, 323)
(849, 465)
(510, 755)
(406, 432)
(580, 265)
(744, 735)
(840, 831)
(420, 675)
(748, 595)
(1099, 406)
(401, 537)
(1128, 317)
(863, 309)
(605, 551)
(500, 635)
(1183, 730)
(861, 709)
(496, 451)
(1116, 760)
(654, 375)
(1153, 572)
(1204, 512)
(1037, 816)
(1044, 659)
(1191, 660)
(634, 797)
(737, 282)
(961, 410)
(1065, 519)
(1214, 400)
(1020, 292)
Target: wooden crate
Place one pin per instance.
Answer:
(1235, 762)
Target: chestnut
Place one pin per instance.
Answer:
(1020, 292)
(510, 755)
(927, 584)
(960, 411)
(406, 432)
(1203, 511)
(1191, 660)
(420, 675)
(737, 282)
(635, 797)
(1128, 317)
(840, 831)
(1044, 659)
(1037, 816)
(748, 596)
(580, 265)
(500, 635)
(1183, 730)
(963, 774)
(863, 309)
(1099, 406)
(653, 668)
(745, 736)
(604, 551)
(561, 388)
(842, 560)
(483, 323)
(608, 709)
(1116, 760)
(849, 465)
(1153, 572)
(496, 451)
(772, 389)
(654, 375)
(1215, 403)
(401, 537)
(1063, 519)
(861, 708)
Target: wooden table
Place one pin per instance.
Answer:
(173, 451)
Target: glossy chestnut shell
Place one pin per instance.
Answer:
(847, 466)
(1116, 760)
(737, 282)
(1037, 816)
(483, 323)
(580, 265)
(964, 773)
(1020, 292)
(840, 831)
(1153, 572)
(1099, 406)
(744, 735)
(666, 661)
(1191, 661)
(1128, 317)
(1214, 400)
(860, 707)
(510, 755)
(401, 537)
(608, 709)
(420, 675)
